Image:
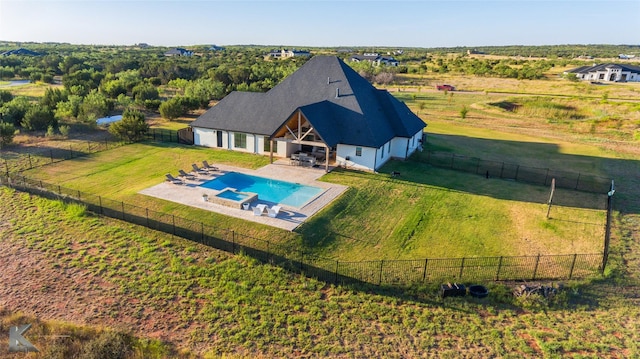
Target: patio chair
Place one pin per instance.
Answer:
(172, 179)
(186, 175)
(257, 211)
(273, 211)
(198, 170)
(207, 166)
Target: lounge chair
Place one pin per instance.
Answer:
(207, 166)
(186, 175)
(259, 209)
(198, 170)
(172, 179)
(273, 211)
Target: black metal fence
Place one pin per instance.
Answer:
(495, 169)
(13, 162)
(377, 272)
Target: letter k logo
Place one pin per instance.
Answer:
(18, 343)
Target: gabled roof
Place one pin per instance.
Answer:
(359, 115)
(20, 51)
(603, 67)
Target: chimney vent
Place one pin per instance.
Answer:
(337, 92)
(328, 80)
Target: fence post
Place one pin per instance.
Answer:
(233, 240)
(380, 277)
(59, 191)
(577, 181)
(336, 279)
(79, 194)
(147, 216)
(122, 203)
(51, 155)
(424, 271)
(6, 166)
(461, 268)
(499, 267)
(100, 201)
(607, 229)
(29, 156)
(89, 146)
(575, 255)
(174, 223)
(535, 269)
(517, 169)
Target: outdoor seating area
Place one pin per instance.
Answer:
(262, 209)
(206, 170)
(303, 159)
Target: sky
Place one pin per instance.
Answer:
(319, 23)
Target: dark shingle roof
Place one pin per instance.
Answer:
(20, 51)
(361, 115)
(602, 67)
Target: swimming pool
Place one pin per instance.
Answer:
(270, 190)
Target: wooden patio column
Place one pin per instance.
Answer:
(326, 158)
(271, 151)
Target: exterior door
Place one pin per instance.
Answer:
(219, 138)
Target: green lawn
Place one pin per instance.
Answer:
(428, 212)
(231, 306)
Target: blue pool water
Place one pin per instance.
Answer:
(234, 196)
(282, 192)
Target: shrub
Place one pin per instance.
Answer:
(132, 127)
(7, 132)
(463, 112)
(64, 130)
(38, 118)
(113, 345)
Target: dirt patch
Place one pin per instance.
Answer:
(37, 285)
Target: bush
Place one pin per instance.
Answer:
(132, 127)
(64, 130)
(463, 112)
(38, 118)
(7, 132)
(112, 345)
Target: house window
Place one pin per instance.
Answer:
(240, 140)
(389, 147)
(267, 147)
(358, 151)
(382, 153)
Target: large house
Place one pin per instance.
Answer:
(375, 59)
(285, 54)
(607, 73)
(324, 108)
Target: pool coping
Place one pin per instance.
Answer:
(289, 218)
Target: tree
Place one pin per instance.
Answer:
(143, 92)
(7, 131)
(5, 96)
(14, 110)
(93, 107)
(132, 127)
(52, 97)
(171, 109)
(70, 108)
(38, 118)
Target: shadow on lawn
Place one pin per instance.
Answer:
(625, 172)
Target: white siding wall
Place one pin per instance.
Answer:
(204, 137)
(364, 162)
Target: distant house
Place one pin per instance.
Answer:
(20, 52)
(375, 59)
(216, 48)
(285, 54)
(325, 109)
(607, 73)
(178, 52)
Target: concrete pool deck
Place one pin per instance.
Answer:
(289, 218)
